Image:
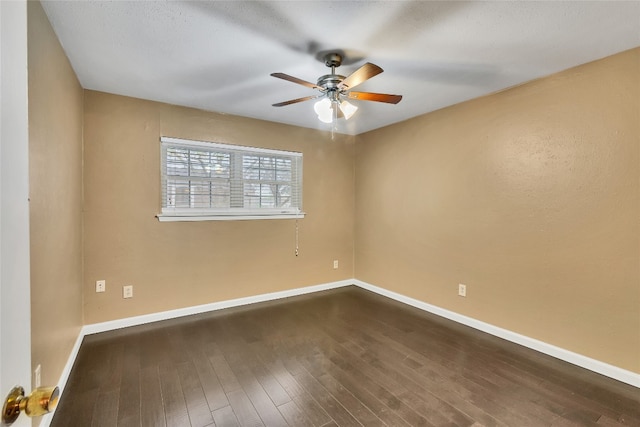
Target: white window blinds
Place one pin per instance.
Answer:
(206, 180)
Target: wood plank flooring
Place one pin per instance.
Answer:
(345, 357)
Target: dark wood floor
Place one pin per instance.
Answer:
(345, 357)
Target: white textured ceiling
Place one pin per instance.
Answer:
(218, 56)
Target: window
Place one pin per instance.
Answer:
(210, 181)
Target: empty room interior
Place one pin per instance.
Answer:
(463, 260)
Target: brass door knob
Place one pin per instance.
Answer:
(41, 401)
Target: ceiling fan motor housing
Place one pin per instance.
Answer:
(330, 81)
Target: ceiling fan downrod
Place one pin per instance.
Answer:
(333, 60)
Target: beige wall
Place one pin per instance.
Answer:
(55, 187)
(181, 264)
(530, 197)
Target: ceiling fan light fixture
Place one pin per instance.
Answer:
(322, 106)
(324, 110)
(348, 109)
(334, 87)
(326, 118)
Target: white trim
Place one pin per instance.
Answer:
(220, 146)
(187, 311)
(176, 218)
(594, 365)
(64, 377)
(230, 211)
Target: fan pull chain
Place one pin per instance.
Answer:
(297, 248)
(334, 122)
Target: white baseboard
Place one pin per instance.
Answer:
(204, 308)
(594, 365)
(64, 377)
(597, 366)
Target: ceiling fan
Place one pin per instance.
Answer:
(336, 89)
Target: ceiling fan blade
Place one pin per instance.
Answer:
(289, 78)
(363, 73)
(378, 97)
(295, 101)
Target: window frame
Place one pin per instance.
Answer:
(236, 181)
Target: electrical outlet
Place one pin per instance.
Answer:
(462, 290)
(127, 291)
(101, 285)
(37, 376)
(335, 264)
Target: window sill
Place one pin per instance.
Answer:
(191, 218)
